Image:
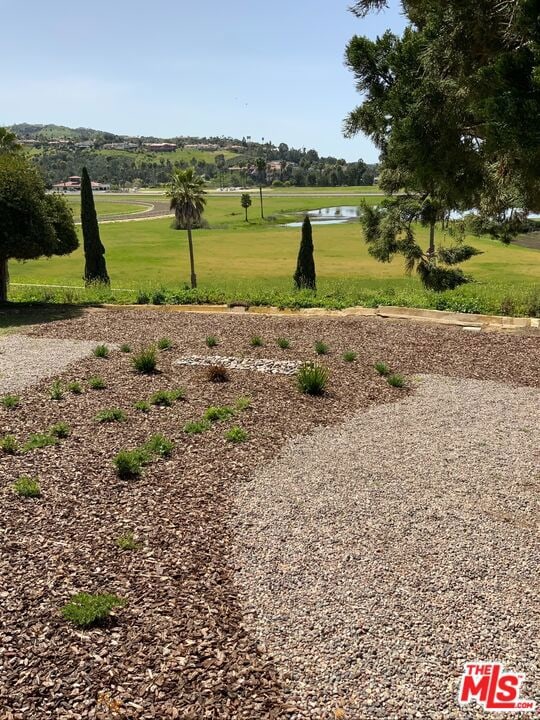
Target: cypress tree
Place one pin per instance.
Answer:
(304, 277)
(95, 268)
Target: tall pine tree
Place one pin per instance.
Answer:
(95, 268)
(304, 277)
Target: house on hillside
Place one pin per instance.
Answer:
(160, 147)
(73, 184)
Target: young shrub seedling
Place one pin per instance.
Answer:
(349, 356)
(39, 440)
(215, 414)
(158, 445)
(165, 398)
(256, 341)
(128, 463)
(283, 343)
(10, 402)
(125, 348)
(211, 341)
(312, 379)
(9, 445)
(75, 388)
(85, 610)
(321, 348)
(101, 351)
(217, 374)
(111, 415)
(56, 392)
(96, 383)
(382, 368)
(197, 426)
(27, 487)
(236, 435)
(164, 344)
(60, 430)
(144, 361)
(127, 541)
(242, 403)
(143, 406)
(396, 380)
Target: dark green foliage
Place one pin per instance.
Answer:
(158, 297)
(217, 374)
(142, 298)
(211, 341)
(128, 463)
(9, 445)
(349, 356)
(39, 440)
(101, 351)
(158, 445)
(304, 277)
(196, 427)
(85, 610)
(125, 348)
(27, 487)
(109, 416)
(56, 392)
(214, 414)
(312, 379)
(245, 201)
(256, 341)
(382, 368)
(283, 343)
(165, 398)
(95, 268)
(533, 303)
(60, 430)
(96, 383)
(236, 435)
(397, 381)
(145, 361)
(164, 344)
(10, 402)
(321, 348)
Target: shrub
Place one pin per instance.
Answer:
(217, 374)
(125, 348)
(85, 610)
(97, 383)
(158, 445)
(142, 297)
(508, 306)
(397, 381)
(158, 297)
(60, 430)
(144, 361)
(75, 388)
(9, 445)
(101, 351)
(214, 414)
(165, 398)
(10, 402)
(312, 379)
(109, 416)
(143, 406)
(39, 440)
(349, 356)
(283, 343)
(382, 368)
(56, 392)
(321, 348)
(128, 463)
(197, 426)
(236, 435)
(256, 341)
(27, 487)
(127, 541)
(242, 403)
(211, 341)
(532, 305)
(164, 344)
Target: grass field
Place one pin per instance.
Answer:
(106, 206)
(236, 260)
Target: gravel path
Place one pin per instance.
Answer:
(377, 556)
(25, 360)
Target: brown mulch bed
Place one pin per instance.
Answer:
(179, 648)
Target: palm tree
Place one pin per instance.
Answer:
(186, 191)
(260, 164)
(8, 141)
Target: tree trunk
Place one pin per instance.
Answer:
(191, 259)
(431, 250)
(4, 279)
(262, 208)
(246, 213)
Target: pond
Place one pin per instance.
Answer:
(329, 216)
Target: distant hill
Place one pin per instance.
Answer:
(123, 160)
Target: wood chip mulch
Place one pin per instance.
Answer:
(179, 648)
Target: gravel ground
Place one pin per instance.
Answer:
(379, 555)
(181, 647)
(24, 360)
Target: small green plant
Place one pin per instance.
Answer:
(211, 341)
(312, 379)
(85, 610)
(127, 541)
(214, 414)
(158, 445)
(242, 403)
(125, 348)
(197, 426)
(111, 415)
(143, 406)
(10, 402)
(101, 351)
(39, 440)
(256, 341)
(217, 374)
(75, 388)
(56, 392)
(321, 348)
(236, 435)
(9, 445)
(128, 463)
(382, 368)
(349, 356)
(96, 383)
(144, 361)
(283, 343)
(165, 398)
(142, 297)
(27, 487)
(60, 430)
(164, 344)
(396, 380)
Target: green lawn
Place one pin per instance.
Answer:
(106, 206)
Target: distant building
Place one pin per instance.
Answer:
(73, 184)
(205, 147)
(85, 145)
(160, 147)
(121, 146)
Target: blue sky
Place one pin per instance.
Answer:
(272, 70)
